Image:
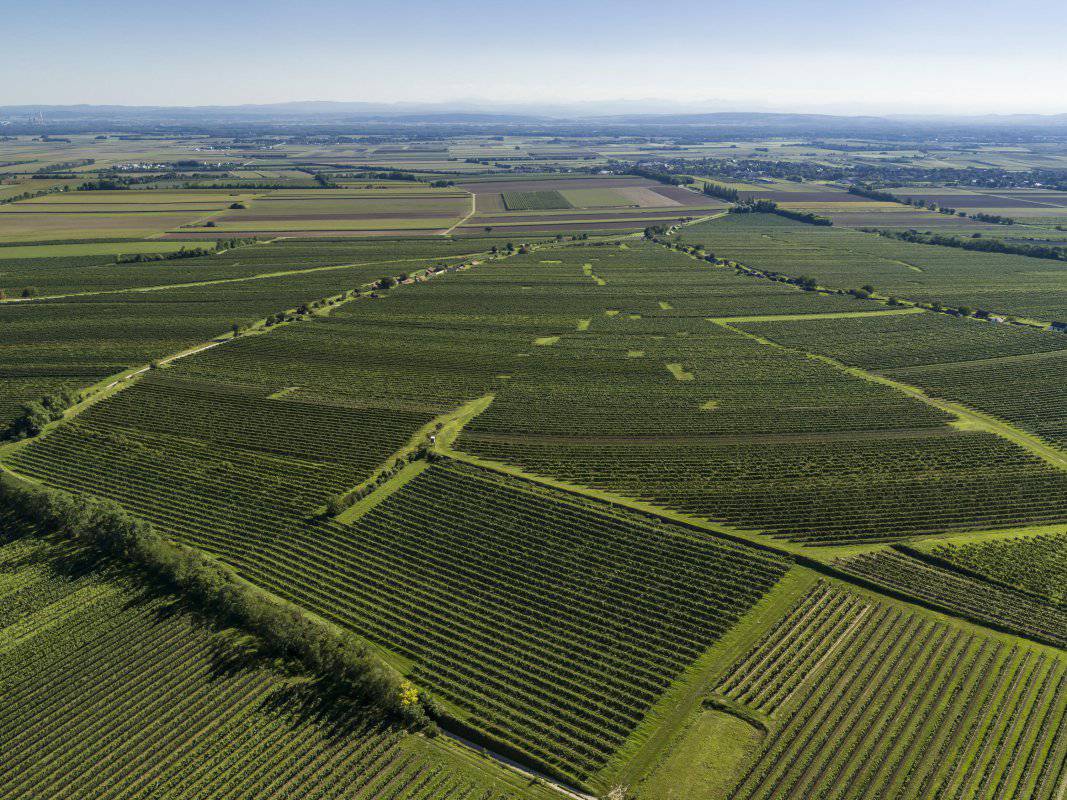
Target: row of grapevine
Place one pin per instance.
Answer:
(961, 594)
(832, 490)
(1034, 564)
(839, 258)
(910, 708)
(110, 692)
(1011, 372)
(554, 624)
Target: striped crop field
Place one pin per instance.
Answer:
(535, 201)
(114, 692)
(478, 456)
(865, 699)
(955, 592)
(548, 622)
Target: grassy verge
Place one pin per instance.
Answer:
(666, 723)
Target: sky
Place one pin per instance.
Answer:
(829, 56)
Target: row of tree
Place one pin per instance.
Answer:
(343, 661)
(976, 242)
(918, 202)
(726, 193)
(761, 206)
(193, 252)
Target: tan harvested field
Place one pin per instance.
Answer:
(562, 218)
(647, 198)
(43, 227)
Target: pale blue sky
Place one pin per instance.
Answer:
(824, 55)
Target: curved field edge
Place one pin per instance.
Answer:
(668, 721)
(835, 751)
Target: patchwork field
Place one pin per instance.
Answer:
(429, 466)
(581, 204)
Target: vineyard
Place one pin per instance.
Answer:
(69, 274)
(833, 490)
(729, 444)
(1010, 372)
(522, 607)
(535, 201)
(1034, 564)
(607, 509)
(111, 692)
(75, 342)
(962, 595)
(869, 700)
(903, 341)
(845, 259)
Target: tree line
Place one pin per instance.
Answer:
(221, 246)
(918, 202)
(760, 206)
(976, 242)
(343, 661)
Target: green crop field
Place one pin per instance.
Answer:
(865, 698)
(487, 460)
(175, 709)
(1007, 284)
(535, 201)
(1013, 373)
(1032, 564)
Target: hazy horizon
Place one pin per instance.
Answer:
(823, 57)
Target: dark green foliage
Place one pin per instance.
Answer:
(214, 588)
(36, 414)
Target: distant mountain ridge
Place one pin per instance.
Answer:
(483, 112)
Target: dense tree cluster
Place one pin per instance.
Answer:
(761, 206)
(722, 192)
(38, 413)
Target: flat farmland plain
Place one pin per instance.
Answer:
(343, 211)
(612, 511)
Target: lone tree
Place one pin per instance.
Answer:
(236, 330)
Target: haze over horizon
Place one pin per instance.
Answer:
(830, 56)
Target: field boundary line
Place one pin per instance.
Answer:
(966, 418)
(219, 281)
(471, 213)
(888, 312)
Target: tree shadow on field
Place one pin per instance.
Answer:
(316, 703)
